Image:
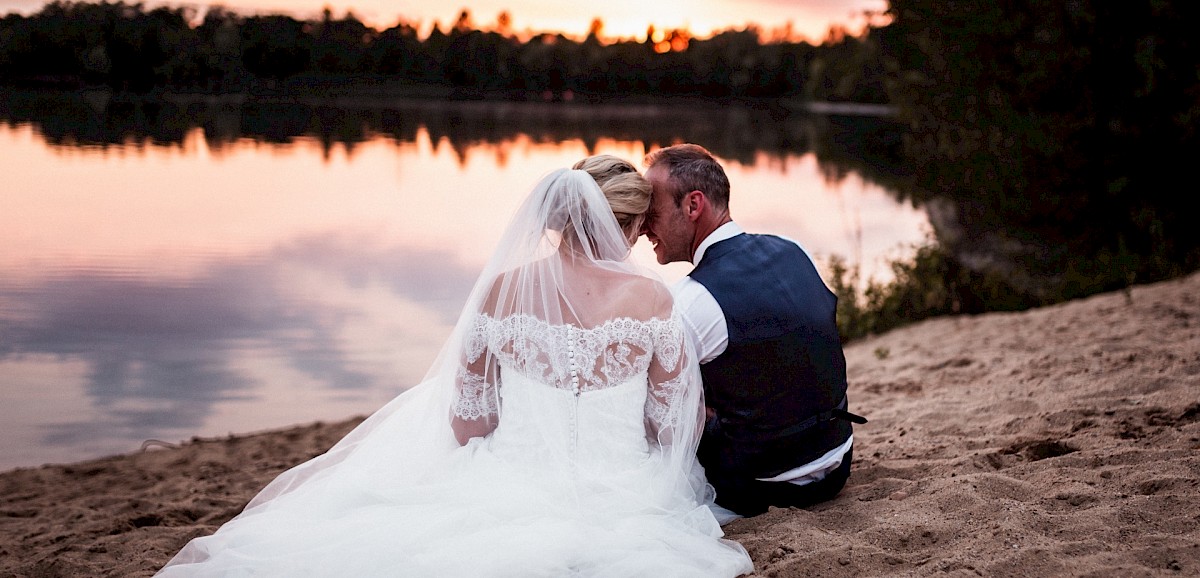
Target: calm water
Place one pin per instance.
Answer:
(226, 279)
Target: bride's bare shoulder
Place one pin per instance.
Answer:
(646, 298)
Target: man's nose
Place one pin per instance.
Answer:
(645, 228)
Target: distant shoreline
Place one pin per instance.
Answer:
(355, 93)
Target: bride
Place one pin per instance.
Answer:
(555, 434)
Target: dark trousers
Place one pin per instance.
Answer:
(750, 497)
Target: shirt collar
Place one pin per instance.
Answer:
(726, 231)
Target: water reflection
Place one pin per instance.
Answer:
(192, 268)
(161, 354)
(733, 133)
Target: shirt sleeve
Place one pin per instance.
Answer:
(702, 318)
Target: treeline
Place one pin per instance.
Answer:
(131, 49)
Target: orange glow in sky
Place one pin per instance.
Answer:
(808, 19)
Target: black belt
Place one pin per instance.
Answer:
(838, 412)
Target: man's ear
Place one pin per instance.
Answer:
(694, 204)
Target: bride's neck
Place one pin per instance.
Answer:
(571, 244)
(572, 247)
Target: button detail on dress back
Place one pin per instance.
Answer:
(571, 359)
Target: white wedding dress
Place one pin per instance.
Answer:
(585, 465)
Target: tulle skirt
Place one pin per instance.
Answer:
(468, 512)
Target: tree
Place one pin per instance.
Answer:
(1059, 129)
(341, 46)
(275, 47)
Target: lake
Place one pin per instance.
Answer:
(201, 268)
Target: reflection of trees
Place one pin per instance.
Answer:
(736, 133)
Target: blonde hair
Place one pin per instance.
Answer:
(627, 191)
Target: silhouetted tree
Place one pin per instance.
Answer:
(847, 69)
(478, 60)
(341, 46)
(219, 59)
(397, 52)
(275, 47)
(1059, 128)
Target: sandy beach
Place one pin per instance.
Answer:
(1062, 441)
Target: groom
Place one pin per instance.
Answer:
(778, 430)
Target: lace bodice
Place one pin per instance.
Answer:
(566, 357)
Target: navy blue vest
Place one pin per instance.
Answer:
(784, 369)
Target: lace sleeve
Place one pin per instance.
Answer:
(475, 411)
(476, 396)
(674, 386)
(663, 397)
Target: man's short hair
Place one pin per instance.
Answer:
(691, 167)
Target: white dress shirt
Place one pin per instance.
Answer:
(705, 321)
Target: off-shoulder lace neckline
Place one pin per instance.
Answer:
(607, 324)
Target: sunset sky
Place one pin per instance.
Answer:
(622, 18)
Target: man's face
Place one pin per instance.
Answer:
(666, 226)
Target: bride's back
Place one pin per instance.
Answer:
(582, 294)
(605, 324)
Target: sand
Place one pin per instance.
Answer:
(1061, 441)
